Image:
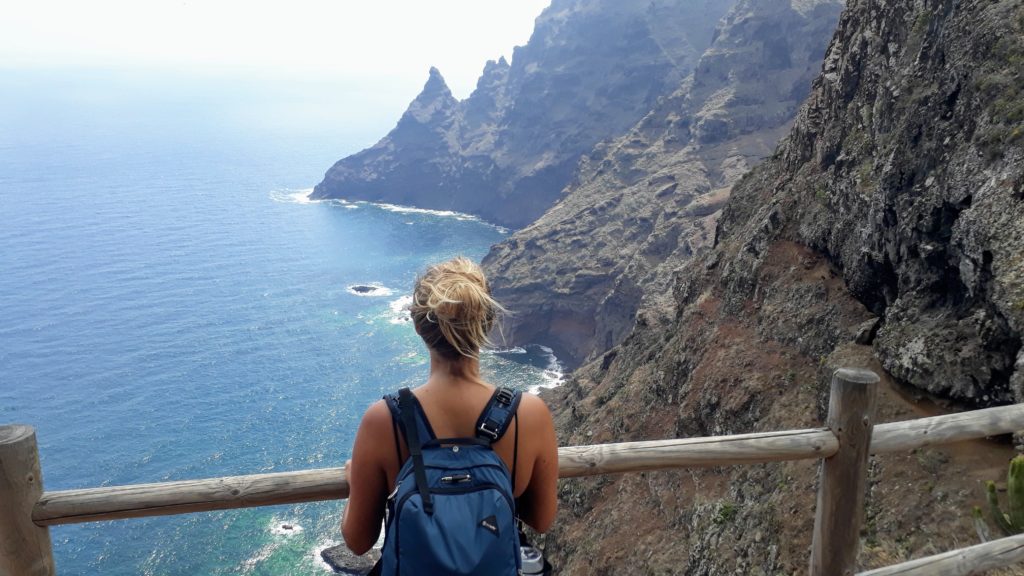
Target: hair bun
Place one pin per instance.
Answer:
(452, 308)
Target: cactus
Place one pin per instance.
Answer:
(1015, 492)
(1001, 520)
(979, 524)
(1011, 522)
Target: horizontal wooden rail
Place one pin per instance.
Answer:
(692, 452)
(159, 499)
(963, 562)
(138, 500)
(921, 432)
(133, 501)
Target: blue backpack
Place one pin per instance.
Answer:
(452, 510)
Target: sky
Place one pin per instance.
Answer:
(387, 42)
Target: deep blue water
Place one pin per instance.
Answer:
(170, 311)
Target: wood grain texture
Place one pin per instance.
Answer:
(842, 479)
(138, 500)
(910, 434)
(25, 548)
(691, 452)
(963, 562)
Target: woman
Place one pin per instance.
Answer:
(452, 311)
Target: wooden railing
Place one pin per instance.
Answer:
(843, 446)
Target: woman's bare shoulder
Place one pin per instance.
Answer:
(533, 409)
(531, 401)
(376, 420)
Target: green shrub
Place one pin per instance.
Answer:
(726, 513)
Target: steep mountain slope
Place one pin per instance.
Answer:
(644, 203)
(887, 231)
(591, 69)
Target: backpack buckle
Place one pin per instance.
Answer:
(504, 396)
(489, 428)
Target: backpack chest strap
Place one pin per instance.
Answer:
(497, 415)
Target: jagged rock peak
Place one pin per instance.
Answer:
(435, 102)
(493, 66)
(435, 86)
(591, 69)
(495, 72)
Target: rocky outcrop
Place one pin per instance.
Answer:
(885, 232)
(644, 203)
(905, 169)
(343, 561)
(590, 71)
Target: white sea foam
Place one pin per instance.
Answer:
(398, 310)
(318, 559)
(264, 553)
(376, 289)
(289, 196)
(412, 210)
(324, 545)
(462, 216)
(277, 528)
(302, 197)
(515, 350)
(293, 196)
(553, 374)
(285, 529)
(341, 203)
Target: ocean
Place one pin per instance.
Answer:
(174, 308)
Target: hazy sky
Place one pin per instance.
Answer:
(342, 39)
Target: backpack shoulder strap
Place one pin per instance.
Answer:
(497, 415)
(412, 436)
(422, 424)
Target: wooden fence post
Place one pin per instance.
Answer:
(843, 477)
(24, 547)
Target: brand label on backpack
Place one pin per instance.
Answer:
(490, 523)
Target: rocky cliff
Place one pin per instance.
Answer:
(644, 203)
(591, 70)
(886, 231)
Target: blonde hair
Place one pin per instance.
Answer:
(452, 308)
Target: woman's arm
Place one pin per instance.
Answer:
(367, 479)
(539, 502)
